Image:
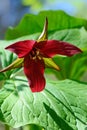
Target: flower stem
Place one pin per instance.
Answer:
(7, 127)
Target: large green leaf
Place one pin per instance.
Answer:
(71, 67)
(75, 66)
(61, 106)
(31, 24)
(75, 36)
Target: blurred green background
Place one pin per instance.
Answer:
(11, 11)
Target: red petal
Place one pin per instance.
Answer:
(34, 70)
(52, 47)
(21, 48)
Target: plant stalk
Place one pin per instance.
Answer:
(7, 127)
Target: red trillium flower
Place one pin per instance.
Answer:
(34, 56)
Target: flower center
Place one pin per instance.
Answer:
(34, 54)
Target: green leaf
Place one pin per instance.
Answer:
(70, 67)
(73, 36)
(8, 60)
(31, 24)
(77, 37)
(2, 76)
(75, 66)
(61, 106)
(33, 127)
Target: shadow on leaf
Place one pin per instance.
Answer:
(58, 120)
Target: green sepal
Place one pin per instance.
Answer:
(51, 64)
(43, 35)
(18, 63)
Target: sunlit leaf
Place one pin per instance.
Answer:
(31, 24)
(61, 106)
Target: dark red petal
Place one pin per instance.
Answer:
(21, 48)
(52, 47)
(34, 70)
